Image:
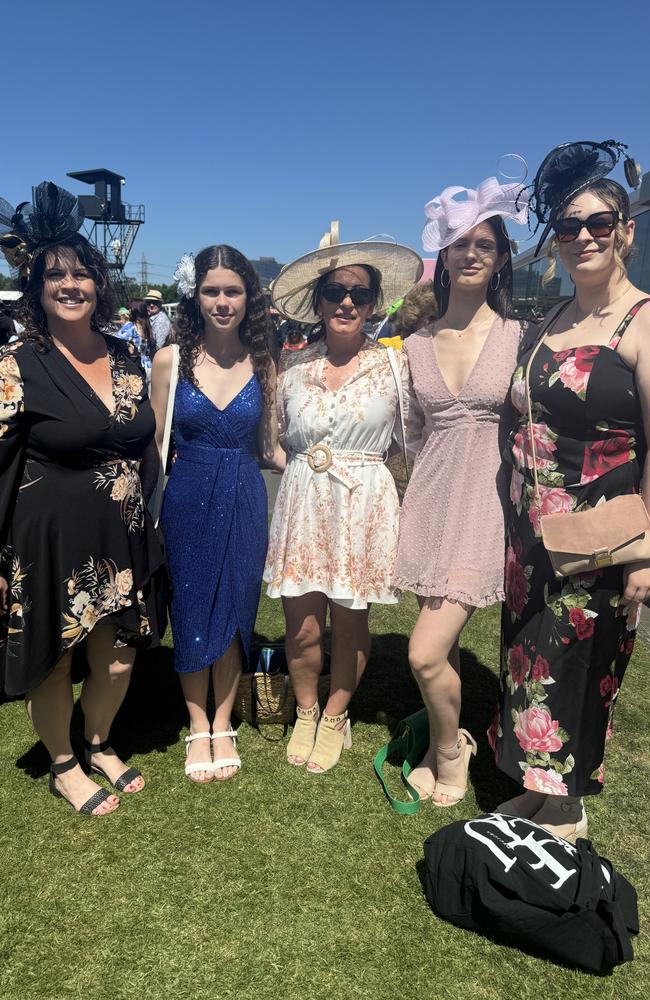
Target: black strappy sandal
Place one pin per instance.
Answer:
(100, 796)
(124, 779)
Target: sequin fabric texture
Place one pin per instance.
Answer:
(214, 519)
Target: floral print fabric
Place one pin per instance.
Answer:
(336, 532)
(565, 643)
(76, 544)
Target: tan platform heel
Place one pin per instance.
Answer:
(330, 742)
(303, 736)
(465, 745)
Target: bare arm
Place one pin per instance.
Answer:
(272, 454)
(636, 576)
(160, 375)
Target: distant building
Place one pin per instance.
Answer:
(267, 269)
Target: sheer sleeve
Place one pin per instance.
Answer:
(11, 436)
(413, 415)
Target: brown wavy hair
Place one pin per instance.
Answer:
(29, 310)
(138, 313)
(418, 309)
(254, 330)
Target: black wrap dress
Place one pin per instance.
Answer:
(566, 643)
(77, 545)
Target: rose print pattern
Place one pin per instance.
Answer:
(96, 590)
(575, 368)
(11, 390)
(122, 480)
(565, 643)
(602, 456)
(19, 602)
(128, 389)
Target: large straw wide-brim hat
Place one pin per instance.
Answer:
(399, 266)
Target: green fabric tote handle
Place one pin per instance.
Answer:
(409, 742)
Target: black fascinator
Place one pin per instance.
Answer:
(569, 169)
(51, 218)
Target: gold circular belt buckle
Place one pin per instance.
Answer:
(317, 464)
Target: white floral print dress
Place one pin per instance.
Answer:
(76, 544)
(335, 523)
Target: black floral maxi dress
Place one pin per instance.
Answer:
(565, 643)
(76, 543)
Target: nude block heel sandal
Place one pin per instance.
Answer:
(466, 745)
(303, 736)
(330, 742)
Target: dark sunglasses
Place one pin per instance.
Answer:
(599, 225)
(360, 295)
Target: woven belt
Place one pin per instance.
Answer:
(321, 458)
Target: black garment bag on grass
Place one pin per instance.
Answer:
(511, 879)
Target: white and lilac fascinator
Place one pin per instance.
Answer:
(185, 276)
(450, 217)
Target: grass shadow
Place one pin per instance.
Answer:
(389, 693)
(151, 716)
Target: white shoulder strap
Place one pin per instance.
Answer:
(157, 499)
(169, 412)
(392, 360)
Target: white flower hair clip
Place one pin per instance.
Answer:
(185, 276)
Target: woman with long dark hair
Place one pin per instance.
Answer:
(451, 532)
(78, 550)
(137, 330)
(214, 516)
(566, 642)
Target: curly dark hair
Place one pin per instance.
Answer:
(254, 330)
(29, 311)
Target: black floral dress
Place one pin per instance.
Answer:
(76, 543)
(565, 643)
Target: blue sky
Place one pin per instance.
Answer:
(256, 123)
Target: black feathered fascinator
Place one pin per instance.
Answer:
(51, 218)
(569, 169)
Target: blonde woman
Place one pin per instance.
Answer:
(567, 643)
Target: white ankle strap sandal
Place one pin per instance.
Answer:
(226, 761)
(201, 765)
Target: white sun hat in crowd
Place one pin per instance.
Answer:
(399, 266)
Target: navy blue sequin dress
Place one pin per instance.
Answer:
(215, 522)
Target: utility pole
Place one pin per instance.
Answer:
(144, 273)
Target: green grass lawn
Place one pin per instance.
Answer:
(279, 884)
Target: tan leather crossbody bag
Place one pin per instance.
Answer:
(614, 533)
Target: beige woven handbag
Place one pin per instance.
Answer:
(614, 533)
(265, 695)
